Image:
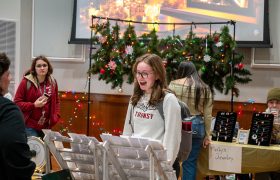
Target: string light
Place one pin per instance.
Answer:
(77, 109)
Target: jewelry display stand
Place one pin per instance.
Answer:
(224, 126)
(261, 128)
(275, 135)
(139, 158)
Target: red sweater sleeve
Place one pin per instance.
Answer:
(21, 97)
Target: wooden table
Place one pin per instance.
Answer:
(254, 159)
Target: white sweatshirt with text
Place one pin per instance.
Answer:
(147, 122)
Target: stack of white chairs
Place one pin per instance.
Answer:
(138, 158)
(78, 153)
(116, 158)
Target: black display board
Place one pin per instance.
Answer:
(261, 128)
(224, 126)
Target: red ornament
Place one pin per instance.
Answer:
(240, 66)
(102, 71)
(216, 38)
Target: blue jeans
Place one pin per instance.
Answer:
(33, 132)
(189, 166)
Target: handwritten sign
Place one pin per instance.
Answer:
(225, 158)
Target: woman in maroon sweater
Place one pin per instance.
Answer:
(37, 97)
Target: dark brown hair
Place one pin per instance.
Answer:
(4, 66)
(160, 84)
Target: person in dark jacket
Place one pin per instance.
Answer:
(15, 156)
(37, 97)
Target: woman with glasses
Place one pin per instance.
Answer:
(37, 97)
(15, 159)
(143, 118)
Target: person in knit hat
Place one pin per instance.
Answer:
(273, 94)
(273, 103)
(273, 107)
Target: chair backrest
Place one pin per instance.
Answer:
(78, 153)
(137, 158)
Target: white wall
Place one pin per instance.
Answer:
(10, 11)
(71, 76)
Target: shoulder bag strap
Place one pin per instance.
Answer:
(130, 119)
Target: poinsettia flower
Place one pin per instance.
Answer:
(129, 50)
(112, 65)
(102, 39)
(206, 58)
(219, 44)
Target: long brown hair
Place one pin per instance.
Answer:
(160, 84)
(187, 69)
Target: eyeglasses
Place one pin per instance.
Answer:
(143, 74)
(41, 65)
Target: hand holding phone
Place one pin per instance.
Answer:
(41, 101)
(46, 95)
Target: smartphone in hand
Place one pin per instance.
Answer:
(46, 95)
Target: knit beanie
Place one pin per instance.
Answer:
(273, 94)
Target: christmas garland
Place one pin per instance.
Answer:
(213, 56)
